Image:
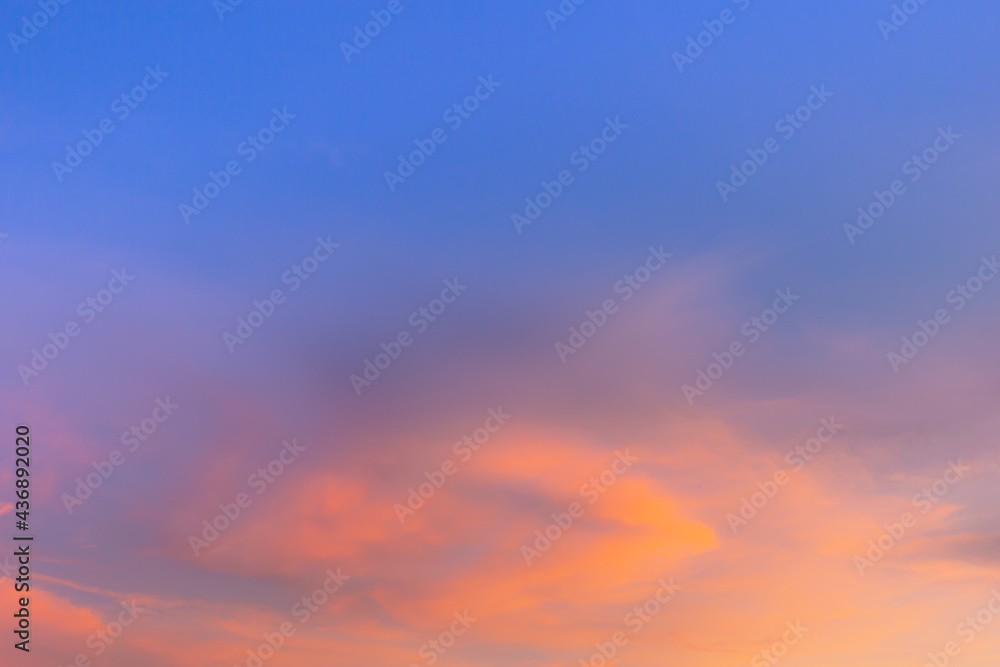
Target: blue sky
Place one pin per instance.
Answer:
(655, 185)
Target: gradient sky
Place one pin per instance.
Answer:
(669, 515)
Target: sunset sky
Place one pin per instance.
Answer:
(512, 335)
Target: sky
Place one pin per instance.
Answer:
(525, 333)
